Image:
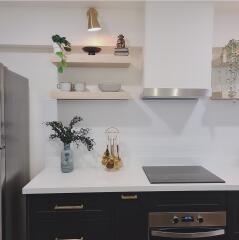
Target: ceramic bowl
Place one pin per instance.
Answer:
(109, 87)
(91, 50)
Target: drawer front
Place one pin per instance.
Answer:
(68, 202)
(186, 201)
(58, 230)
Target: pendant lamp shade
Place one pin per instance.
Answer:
(93, 24)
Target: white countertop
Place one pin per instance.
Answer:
(90, 180)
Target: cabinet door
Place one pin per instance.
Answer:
(58, 230)
(131, 217)
(69, 216)
(233, 215)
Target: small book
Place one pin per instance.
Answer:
(121, 49)
(121, 54)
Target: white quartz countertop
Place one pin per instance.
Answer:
(89, 180)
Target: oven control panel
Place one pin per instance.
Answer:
(180, 219)
(187, 219)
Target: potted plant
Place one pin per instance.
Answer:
(60, 46)
(67, 135)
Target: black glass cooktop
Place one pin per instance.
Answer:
(180, 174)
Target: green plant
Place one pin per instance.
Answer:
(230, 55)
(64, 45)
(68, 134)
(232, 51)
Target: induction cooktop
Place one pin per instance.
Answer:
(180, 174)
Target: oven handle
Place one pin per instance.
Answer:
(206, 234)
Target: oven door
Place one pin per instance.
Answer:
(187, 233)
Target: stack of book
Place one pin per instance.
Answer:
(121, 51)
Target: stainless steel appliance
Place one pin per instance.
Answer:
(180, 174)
(14, 153)
(187, 225)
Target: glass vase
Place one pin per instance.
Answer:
(67, 159)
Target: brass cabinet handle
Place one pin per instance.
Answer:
(129, 197)
(69, 238)
(68, 207)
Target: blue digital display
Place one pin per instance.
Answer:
(187, 219)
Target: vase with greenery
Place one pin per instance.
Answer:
(61, 46)
(67, 135)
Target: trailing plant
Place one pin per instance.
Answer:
(64, 46)
(231, 58)
(68, 134)
(232, 51)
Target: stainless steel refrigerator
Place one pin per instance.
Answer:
(14, 152)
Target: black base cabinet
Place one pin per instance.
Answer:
(119, 216)
(233, 215)
(130, 217)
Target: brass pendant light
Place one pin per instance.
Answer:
(93, 24)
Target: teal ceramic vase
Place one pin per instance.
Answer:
(67, 159)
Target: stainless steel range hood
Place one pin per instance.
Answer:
(173, 93)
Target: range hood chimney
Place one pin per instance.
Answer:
(177, 50)
(173, 93)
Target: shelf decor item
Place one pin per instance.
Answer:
(68, 135)
(109, 87)
(91, 50)
(111, 158)
(61, 46)
(121, 49)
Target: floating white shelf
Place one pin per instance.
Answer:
(98, 60)
(224, 98)
(61, 95)
(218, 96)
(219, 64)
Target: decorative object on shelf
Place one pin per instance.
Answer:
(80, 87)
(61, 46)
(111, 158)
(67, 135)
(93, 24)
(91, 50)
(121, 49)
(109, 87)
(64, 86)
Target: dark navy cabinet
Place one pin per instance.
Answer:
(118, 216)
(233, 215)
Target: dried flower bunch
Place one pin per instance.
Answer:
(68, 134)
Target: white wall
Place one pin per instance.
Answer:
(26, 24)
(156, 132)
(225, 23)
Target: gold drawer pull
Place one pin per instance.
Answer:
(129, 197)
(74, 207)
(69, 238)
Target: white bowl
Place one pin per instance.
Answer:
(109, 87)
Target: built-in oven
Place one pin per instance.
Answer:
(187, 225)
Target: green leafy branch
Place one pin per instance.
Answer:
(67, 134)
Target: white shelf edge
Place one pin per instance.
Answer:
(49, 48)
(99, 60)
(96, 95)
